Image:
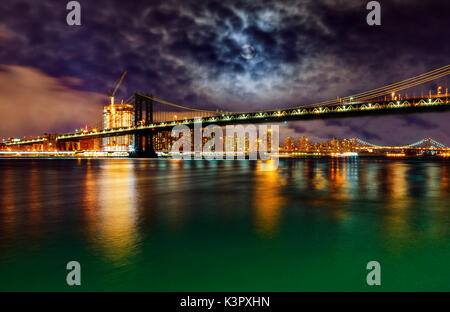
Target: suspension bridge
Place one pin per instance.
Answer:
(427, 144)
(152, 115)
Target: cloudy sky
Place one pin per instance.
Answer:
(54, 77)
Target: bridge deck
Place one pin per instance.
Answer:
(356, 109)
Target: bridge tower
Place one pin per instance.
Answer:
(427, 143)
(143, 141)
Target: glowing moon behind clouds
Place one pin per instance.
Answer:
(248, 52)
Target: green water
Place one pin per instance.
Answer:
(166, 225)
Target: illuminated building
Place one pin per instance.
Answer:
(163, 141)
(118, 116)
(303, 144)
(289, 144)
(269, 140)
(331, 146)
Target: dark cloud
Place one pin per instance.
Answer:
(420, 122)
(189, 52)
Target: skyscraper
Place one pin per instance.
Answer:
(289, 144)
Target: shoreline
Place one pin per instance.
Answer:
(303, 156)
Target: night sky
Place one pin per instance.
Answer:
(55, 77)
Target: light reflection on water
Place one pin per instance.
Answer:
(267, 199)
(174, 218)
(110, 210)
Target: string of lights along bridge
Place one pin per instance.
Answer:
(153, 115)
(424, 144)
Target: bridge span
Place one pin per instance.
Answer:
(351, 109)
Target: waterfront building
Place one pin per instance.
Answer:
(163, 141)
(118, 116)
(289, 144)
(303, 144)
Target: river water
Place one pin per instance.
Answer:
(168, 225)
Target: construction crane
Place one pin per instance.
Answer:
(111, 94)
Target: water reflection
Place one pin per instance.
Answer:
(267, 199)
(140, 211)
(8, 216)
(445, 181)
(110, 210)
(35, 202)
(174, 186)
